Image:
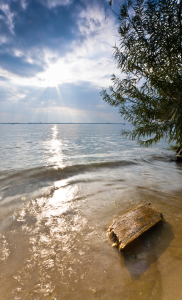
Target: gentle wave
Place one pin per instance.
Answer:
(18, 186)
(50, 172)
(54, 173)
(154, 158)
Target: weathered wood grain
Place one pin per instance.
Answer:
(133, 224)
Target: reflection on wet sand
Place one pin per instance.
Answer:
(52, 240)
(56, 247)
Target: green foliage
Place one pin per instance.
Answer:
(149, 94)
(173, 148)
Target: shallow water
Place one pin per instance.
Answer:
(61, 186)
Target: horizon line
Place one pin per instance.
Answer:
(40, 123)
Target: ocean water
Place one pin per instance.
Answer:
(61, 187)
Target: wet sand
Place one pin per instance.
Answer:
(56, 246)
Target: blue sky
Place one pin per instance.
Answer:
(55, 57)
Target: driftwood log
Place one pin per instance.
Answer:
(129, 227)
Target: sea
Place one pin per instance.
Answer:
(61, 187)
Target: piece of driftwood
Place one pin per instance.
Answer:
(133, 224)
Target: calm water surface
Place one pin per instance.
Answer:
(61, 186)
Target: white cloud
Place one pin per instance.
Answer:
(74, 69)
(3, 39)
(9, 15)
(24, 4)
(54, 3)
(91, 60)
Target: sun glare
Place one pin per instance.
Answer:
(55, 148)
(55, 74)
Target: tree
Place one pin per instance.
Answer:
(149, 94)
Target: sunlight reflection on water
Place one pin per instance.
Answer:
(55, 146)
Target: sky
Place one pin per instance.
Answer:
(55, 58)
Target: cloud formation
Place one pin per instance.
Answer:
(60, 47)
